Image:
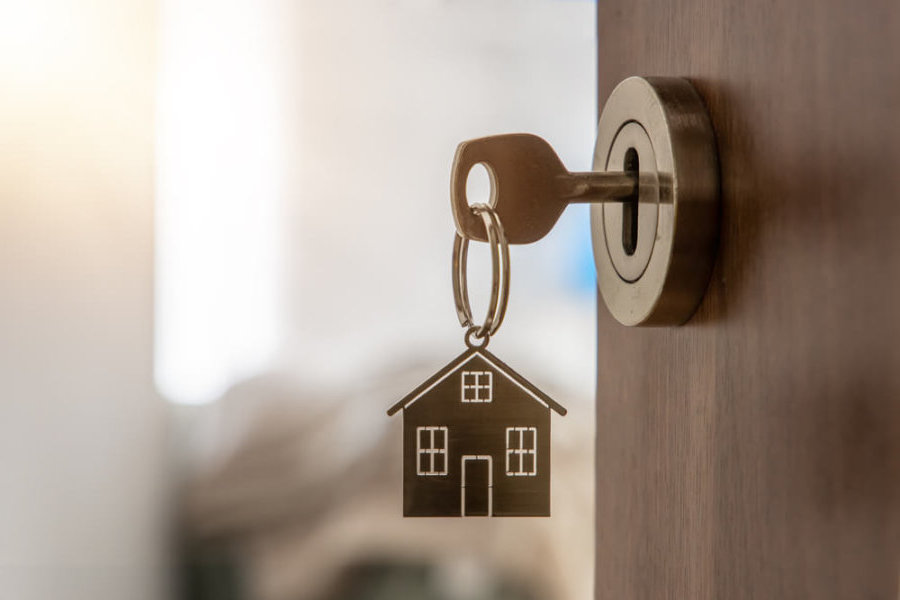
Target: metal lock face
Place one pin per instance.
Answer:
(654, 252)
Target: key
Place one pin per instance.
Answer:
(530, 187)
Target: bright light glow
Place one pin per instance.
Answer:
(220, 161)
(37, 38)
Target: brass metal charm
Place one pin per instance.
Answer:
(476, 442)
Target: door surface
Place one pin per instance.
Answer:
(755, 451)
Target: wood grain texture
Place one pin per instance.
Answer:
(755, 451)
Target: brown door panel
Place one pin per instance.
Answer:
(755, 451)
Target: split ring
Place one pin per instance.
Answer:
(499, 280)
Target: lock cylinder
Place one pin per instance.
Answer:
(654, 252)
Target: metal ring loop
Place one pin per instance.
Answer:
(473, 330)
(500, 280)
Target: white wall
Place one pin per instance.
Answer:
(82, 433)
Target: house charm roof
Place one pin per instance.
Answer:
(463, 358)
(476, 441)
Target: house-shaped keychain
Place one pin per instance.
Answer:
(476, 442)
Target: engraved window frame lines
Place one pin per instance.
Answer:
(426, 455)
(519, 452)
(477, 386)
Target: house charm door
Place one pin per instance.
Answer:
(476, 434)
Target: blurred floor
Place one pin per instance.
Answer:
(301, 490)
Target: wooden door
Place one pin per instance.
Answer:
(755, 451)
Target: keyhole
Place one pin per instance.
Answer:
(630, 207)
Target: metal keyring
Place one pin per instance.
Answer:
(500, 279)
(473, 332)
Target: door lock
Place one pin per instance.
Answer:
(654, 190)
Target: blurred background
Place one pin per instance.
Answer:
(225, 253)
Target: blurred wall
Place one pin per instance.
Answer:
(304, 167)
(381, 94)
(81, 429)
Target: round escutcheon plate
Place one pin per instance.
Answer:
(654, 256)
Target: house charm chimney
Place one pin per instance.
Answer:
(476, 434)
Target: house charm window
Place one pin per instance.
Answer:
(477, 386)
(521, 451)
(431, 450)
